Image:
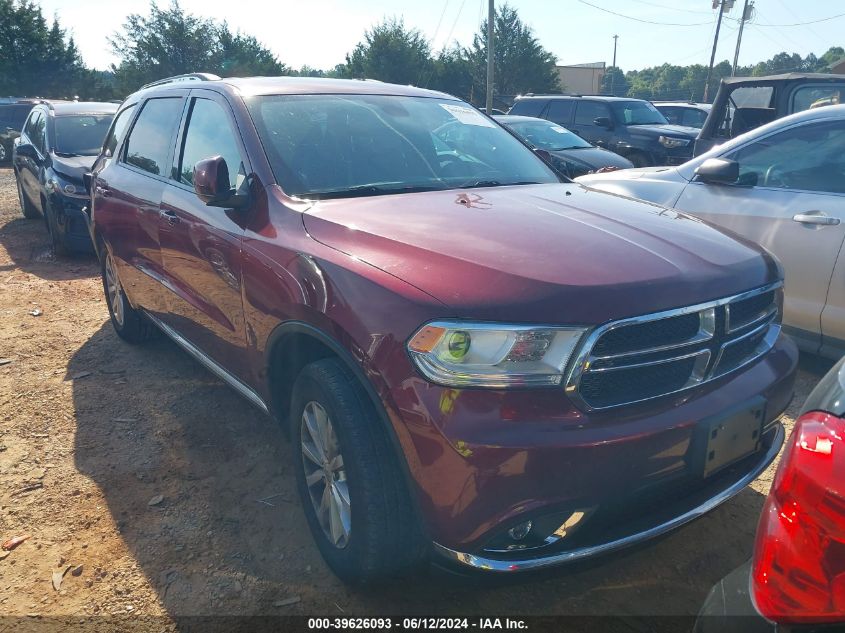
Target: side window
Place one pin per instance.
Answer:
(810, 97)
(693, 117)
(560, 111)
(39, 133)
(589, 111)
(151, 138)
(210, 133)
(117, 129)
(806, 158)
(528, 107)
(673, 115)
(29, 127)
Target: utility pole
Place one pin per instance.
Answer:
(715, 43)
(491, 14)
(613, 74)
(747, 11)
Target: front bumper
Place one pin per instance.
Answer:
(647, 532)
(485, 461)
(73, 222)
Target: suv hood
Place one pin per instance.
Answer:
(681, 131)
(72, 167)
(557, 253)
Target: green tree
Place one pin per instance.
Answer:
(36, 60)
(521, 64)
(614, 82)
(171, 42)
(451, 73)
(390, 52)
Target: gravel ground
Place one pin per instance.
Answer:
(175, 497)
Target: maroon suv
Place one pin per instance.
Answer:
(473, 357)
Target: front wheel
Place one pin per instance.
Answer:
(58, 243)
(129, 323)
(352, 490)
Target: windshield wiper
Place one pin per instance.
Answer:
(366, 190)
(495, 183)
(66, 154)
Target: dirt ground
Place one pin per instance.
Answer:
(174, 497)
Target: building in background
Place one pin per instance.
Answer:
(581, 79)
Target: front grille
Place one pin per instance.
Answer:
(647, 357)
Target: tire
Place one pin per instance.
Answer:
(58, 243)
(382, 537)
(639, 159)
(130, 324)
(28, 209)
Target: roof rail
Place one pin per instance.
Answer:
(178, 78)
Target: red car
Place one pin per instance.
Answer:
(474, 357)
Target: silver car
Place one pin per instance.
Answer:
(781, 186)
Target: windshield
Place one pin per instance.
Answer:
(637, 113)
(81, 135)
(548, 136)
(323, 146)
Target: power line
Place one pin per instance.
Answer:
(828, 19)
(663, 6)
(629, 17)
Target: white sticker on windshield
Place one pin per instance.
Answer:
(467, 115)
(558, 129)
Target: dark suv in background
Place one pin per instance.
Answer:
(632, 128)
(371, 264)
(12, 117)
(57, 145)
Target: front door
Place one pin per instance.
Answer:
(790, 199)
(201, 245)
(584, 124)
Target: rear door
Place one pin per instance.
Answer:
(201, 245)
(586, 112)
(790, 199)
(126, 198)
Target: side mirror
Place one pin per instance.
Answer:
(544, 154)
(211, 184)
(26, 151)
(718, 171)
(603, 121)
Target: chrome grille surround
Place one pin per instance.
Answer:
(720, 346)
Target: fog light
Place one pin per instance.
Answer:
(520, 531)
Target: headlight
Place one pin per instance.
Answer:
(462, 354)
(670, 142)
(55, 185)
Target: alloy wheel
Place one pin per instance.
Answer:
(325, 474)
(113, 291)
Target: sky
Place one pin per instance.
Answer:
(319, 33)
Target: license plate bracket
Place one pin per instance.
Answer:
(727, 437)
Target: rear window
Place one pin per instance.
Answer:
(151, 139)
(13, 116)
(81, 135)
(528, 107)
(560, 111)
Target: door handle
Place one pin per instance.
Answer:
(170, 216)
(815, 218)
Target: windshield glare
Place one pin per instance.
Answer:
(548, 136)
(81, 135)
(637, 113)
(325, 146)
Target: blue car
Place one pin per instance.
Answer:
(58, 144)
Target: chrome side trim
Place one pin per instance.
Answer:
(562, 558)
(209, 364)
